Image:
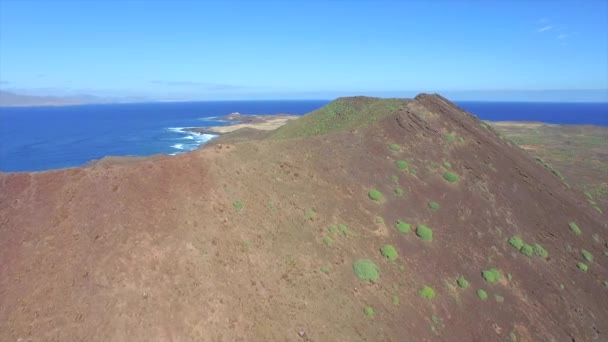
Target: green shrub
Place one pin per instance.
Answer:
(461, 140)
(379, 219)
(450, 137)
(325, 269)
(516, 242)
(375, 195)
(398, 191)
(396, 300)
(424, 232)
(492, 275)
(238, 205)
(369, 311)
(402, 227)
(395, 179)
(333, 229)
(581, 266)
(389, 252)
(586, 255)
(310, 214)
(434, 205)
(447, 164)
(343, 229)
(395, 147)
(540, 251)
(402, 164)
(527, 250)
(413, 171)
(462, 283)
(365, 269)
(427, 292)
(450, 177)
(483, 295)
(574, 228)
(328, 241)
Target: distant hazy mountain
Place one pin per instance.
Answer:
(12, 99)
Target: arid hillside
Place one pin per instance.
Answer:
(366, 220)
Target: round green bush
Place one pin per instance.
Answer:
(375, 195)
(398, 191)
(574, 228)
(394, 147)
(516, 242)
(492, 275)
(434, 205)
(450, 177)
(586, 255)
(462, 282)
(369, 311)
(402, 227)
(389, 252)
(328, 241)
(581, 266)
(483, 295)
(401, 164)
(540, 251)
(424, 232)
(447, 164)
(379, 219)
(366, 270)
(527, 250)
(427, 292)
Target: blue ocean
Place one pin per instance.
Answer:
(42, 138)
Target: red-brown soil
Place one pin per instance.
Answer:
(155, 250)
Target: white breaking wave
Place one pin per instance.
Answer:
(197, 139)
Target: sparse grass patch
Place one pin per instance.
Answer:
(586, 255)
(375, 195)
(499, 299)
(462, 283)
(574, 228)
(395, 179)
(582, 266)
(427, 292)
(328, 241)
(492, 275)
(333, 229)
(310, 214)
(402, 227)
(246, 243)
(401, 164)
(424, 232)
(396, 300)
(379, 219)
(527, 250)
(343, 229)
(389, 252)
(395, 147)
(449, 138)
(237, 205)
(516, 242)
(540, 251)
(399, 192)
(460, 140)
(365, 269)
(447, 164)
(413, 171)
(450, 177)
(325, 269)
(482, 294)
(434, 205)
(369, 311)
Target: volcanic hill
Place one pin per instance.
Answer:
(366, 220)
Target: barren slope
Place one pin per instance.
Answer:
(230, 242)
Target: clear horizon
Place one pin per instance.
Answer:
(188, 51)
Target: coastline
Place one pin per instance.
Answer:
(236, 121)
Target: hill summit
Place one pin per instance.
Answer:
(368, 219)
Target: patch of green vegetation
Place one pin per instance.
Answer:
(434, 205)
(450, 177)
(396, 300)
(343, 229)
(447, 165)
(328, 241)
(482, 294)
(401, 164)
(492, 275)
(402, 227)
(460, 140)
(462, 283)
(586, 255)
(540, 251)
(379, 219)
(325, 269)
(395, 147)
(399, 192)
(582, 266)
(427, 292)
(342, 114)
(310, 214)
(389, 252)
(449, 138)
(527, 250)
(424, 232)
(574, 228)
(413, 171)
(237, 205)
(550, 168)
(484, 125)
(395, 179)
(369, 311)
(499, 299)
(246, 243)
(375, 195)
(333, 229)
(516, 242)
(512, 337)
(365, 269)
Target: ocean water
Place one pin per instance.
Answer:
(42, 138)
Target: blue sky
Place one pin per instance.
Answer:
(186, 50)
